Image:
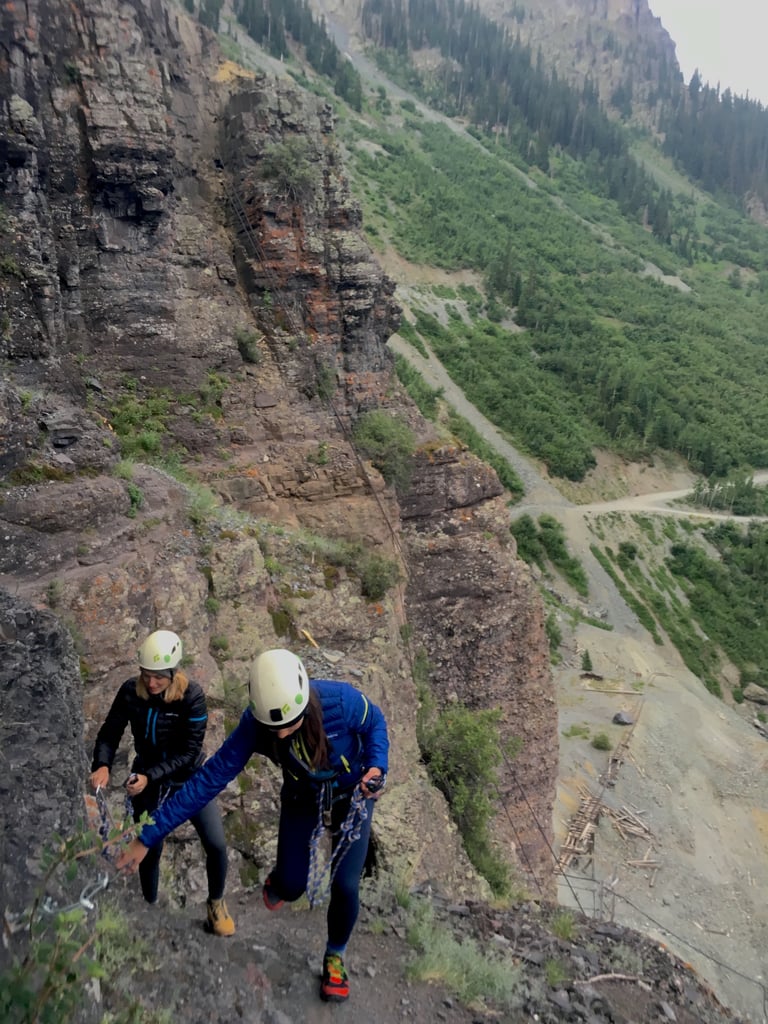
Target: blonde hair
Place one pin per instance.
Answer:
(175, 691)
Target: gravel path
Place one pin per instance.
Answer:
(538, 492)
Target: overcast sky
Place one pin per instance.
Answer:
(725, 39)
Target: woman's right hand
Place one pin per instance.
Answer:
(132, 856)
(100, 777)
(136, 784)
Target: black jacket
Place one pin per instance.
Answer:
(168, 736)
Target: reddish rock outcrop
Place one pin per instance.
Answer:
(476, 612)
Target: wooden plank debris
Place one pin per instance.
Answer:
(630, 825)
(580, 840)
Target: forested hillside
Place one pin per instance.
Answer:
(618, 305)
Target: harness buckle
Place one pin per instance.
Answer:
(326, 803)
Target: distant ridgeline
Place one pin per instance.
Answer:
(489, 76)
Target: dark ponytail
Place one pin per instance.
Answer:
(313, 734)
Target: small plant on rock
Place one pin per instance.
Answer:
(389, 444)
(473, 973)
(53, 593)
(602, 742)
(377, 576)
(555, 973)
(219, 645)
(563, 925)
(248, 345)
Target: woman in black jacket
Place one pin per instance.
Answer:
(168, 715)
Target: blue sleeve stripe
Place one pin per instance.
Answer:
(201, 718)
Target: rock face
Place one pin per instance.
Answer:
(184, 279)
(41, 730)
(619, 45)
(137, 210)
(477, 614)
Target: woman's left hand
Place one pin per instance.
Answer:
(136, 784)
(373, 774)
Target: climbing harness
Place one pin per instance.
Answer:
(321, 875)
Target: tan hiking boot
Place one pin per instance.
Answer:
(219, 919)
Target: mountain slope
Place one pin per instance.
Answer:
(144, 315)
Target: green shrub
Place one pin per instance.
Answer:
(426, 397)
(124, 469)
(552, 536)
(292, 167)
(529, 546)
(377, 576)
(563, 925)
(54, 593)
(637, 606)
(202, 503)
(581, 731)
(553, 631)
(411, 335)
(555, 973)
(602, 742)
(319, 457)
(248, 345)
(462, 752)
(389, 443)
(61, 951)
(136, 498)
(472, 438)
(10, 268)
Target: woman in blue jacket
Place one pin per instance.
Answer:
(332, 746)
(168, 715)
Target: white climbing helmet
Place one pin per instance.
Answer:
(161, 651)
(279, 688)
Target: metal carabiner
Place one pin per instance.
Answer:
(90, 890)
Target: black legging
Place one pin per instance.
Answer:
(208, 826)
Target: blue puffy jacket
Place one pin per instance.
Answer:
(358, 740)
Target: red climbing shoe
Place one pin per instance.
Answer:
(335, 984)
(271, 900)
